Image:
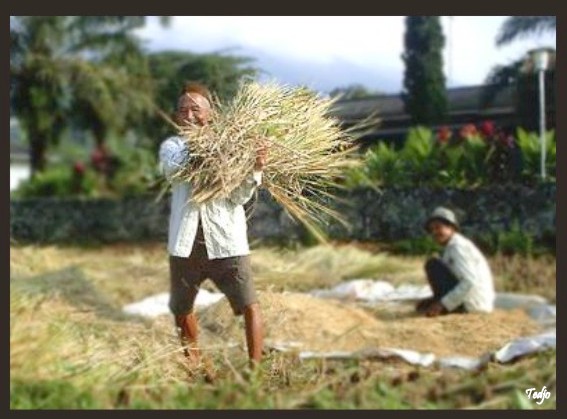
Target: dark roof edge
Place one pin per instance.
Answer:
(394, 95)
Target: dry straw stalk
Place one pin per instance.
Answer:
(308, 152)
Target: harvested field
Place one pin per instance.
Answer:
(326, 325)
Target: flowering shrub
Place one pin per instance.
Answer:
(487, 128)
(107, 172)
(60, 181)
(468, 157)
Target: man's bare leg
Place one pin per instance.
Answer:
(254, 332)
(188, 333)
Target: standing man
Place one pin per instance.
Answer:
(461, 280)
(208, 240)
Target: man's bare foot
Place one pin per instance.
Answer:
(208, 370)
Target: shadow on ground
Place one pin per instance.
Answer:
(75, 288)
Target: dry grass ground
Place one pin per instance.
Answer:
(72, 347)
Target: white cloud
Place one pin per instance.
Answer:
(374, 43)
(311, 38)
(473, 47)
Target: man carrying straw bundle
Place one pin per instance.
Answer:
(208, 239)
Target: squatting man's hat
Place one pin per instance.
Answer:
(444, 215)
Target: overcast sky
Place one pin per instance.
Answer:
(328, 52)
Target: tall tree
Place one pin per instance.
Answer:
(520, 74)
(521, 77)
(220, 72)
(87, 70)
(517, 27)
(424, 93)
(353, 91)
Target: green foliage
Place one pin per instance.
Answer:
(59, 181)
(474, 160)
(170, 70)
(221, 73)
(418, 162)
(135, 172)
(518, 27)
(138, 168)
(86, 71)
(53, 394)
(420, 157)
(520, 80)
(423, 245)
(514, 241)
(530, 146)
(548, 241)
(353, 91)
(424, 93)
(469, 159)
(382, 167)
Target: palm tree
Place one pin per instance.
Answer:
(519, 74)
(89, 71)
(500, 77)
(516, 27)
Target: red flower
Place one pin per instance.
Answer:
(468, 130)
(79, 168)
(99, 157)
(487, 128)
(444, 134)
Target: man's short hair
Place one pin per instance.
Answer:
(195, 87)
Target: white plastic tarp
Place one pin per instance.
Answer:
(374, 291)
(157, 305)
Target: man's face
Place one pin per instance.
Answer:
(441, 232)
(193, 108)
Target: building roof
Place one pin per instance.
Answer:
(461, 100)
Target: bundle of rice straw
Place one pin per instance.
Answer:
(307, 150)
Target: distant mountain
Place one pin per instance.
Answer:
(324, 77)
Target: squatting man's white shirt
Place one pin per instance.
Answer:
(475, 288)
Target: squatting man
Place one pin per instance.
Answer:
(461, 279)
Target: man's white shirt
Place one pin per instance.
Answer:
(476, 287)
(223, 220)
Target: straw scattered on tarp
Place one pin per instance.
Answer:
(322, 325)
(387, 327)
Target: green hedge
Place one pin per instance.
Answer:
(498, 215)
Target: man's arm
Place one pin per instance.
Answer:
(244, 192)
(173, 154)
(463, 269)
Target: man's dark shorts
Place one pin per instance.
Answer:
(232, 276)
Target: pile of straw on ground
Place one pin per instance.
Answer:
(307, 150)
(327, 325)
